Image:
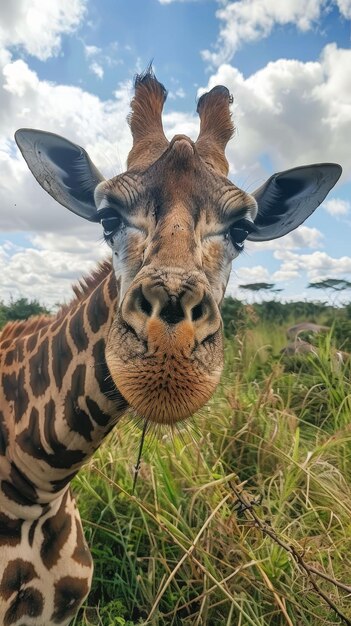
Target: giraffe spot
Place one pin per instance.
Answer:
(32, 342)
(56, 530)
(10, 530)
(4, 435)
(58, 485)
(9, 386)
(19, 350)
(16, 574)
(112, 288)
(61, 355)
(22, 399)
(96, 413)
(30, 442)
(39, 369)
(81, 552)
(6, 344)
(31, 532)
(97, 310)
(29, 602)
(102, 373)
(29, 439)
(76, 328)
(104, 378)
(10, 357)
(69, 595)
(20, 489)
(77, 419)
(14, 390)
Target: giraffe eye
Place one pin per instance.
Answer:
(239, 232)
(110, 223)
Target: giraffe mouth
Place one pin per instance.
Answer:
(169, 377)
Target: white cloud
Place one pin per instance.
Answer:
(37, 25)
(91, 51)
(285, 275)
(290, 111)
(246, 275)
(97, 69)
(252, 274)
(317, 265)
(177, 123)
(178, 93)
(336, 207)
(171, 1)
(249, 20)
(102, 57)
(26, 101)
(345, 8)
(302, 237)
(47, 270)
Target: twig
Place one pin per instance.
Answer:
(246, 506)
(137, 465)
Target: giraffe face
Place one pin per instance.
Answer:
(174, 230)
(174, 223)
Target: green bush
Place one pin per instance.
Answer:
(20, 309)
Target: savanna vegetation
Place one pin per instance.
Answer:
(20, 309)
(242, 516)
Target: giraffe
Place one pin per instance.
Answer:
(142, 333)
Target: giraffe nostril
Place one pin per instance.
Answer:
(172, 313)
(197, 312)
(144, 304)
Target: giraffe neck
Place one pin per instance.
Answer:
(59, 401)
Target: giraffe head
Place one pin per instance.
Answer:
(174, 223)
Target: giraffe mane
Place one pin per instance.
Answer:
(85, 286)
(22, 328)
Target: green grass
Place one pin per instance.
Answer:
(184, 551)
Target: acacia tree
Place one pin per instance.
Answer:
(333, 285)
(257, 287)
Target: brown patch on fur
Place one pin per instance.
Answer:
(69, 595)
(10, 530)
(81, 552)
(145, 121)
(56, 530)
(216, 127)
(16, 574)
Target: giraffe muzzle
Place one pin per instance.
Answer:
(170, 359)
(187, 301)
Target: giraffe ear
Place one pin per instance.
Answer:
(62, 168)
(288, 198)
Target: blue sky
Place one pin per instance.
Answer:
(67, 66)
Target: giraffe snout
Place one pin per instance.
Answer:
(170, 360)
(189, 302)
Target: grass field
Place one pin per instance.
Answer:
(243, 516)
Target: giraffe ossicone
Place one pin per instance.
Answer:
(144, 330)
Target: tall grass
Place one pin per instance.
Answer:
(229, 510)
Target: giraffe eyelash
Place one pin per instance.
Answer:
(239, 231)
(110, 221)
